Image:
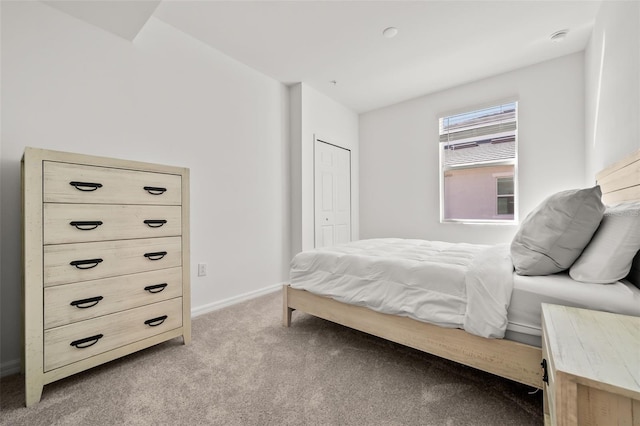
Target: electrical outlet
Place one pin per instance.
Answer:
(202, 269)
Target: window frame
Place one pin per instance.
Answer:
(511, 162)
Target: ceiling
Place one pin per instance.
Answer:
(122, 18)
(440, 44)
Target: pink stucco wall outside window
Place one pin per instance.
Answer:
(472, 193)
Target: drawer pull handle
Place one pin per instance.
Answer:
(155, 190)
(154, 322)
(155, 255)
(85, 186)
(86, 225)
(84, 302)
(545, 376)
(80, 264)
(80, 344)
(157, 288)
(155, 223)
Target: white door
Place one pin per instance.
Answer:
(332, 194)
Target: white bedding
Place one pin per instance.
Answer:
(451, 285)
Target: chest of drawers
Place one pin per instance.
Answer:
(105, 261)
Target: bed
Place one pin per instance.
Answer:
(515, 354)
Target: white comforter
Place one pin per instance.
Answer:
(452, 285)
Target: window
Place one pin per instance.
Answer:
(478, 165)
(505, 196)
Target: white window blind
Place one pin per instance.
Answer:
(479, 123)
(491, 130)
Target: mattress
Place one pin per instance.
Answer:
(524, 312)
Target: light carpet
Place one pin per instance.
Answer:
(244, 368)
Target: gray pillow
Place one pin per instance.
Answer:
(608, 256)
(553, 235)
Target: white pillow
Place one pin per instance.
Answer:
(553, 235)
(609, 255)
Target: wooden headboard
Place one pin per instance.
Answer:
(621, 182)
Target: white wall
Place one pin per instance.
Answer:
(612, 73)
(399, 165)
(165, 98)
(315, 115)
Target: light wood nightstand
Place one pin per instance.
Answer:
(592, 363)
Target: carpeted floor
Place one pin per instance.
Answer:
(244, 368)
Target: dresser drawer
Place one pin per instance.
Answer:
(69, 303)
(69, 263)
(75, 223)
(74, 183)
(70, 343)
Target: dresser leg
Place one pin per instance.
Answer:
(186, 340)
(33, 392)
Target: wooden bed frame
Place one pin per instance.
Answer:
(512, 360)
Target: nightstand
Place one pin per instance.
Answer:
(592, 367)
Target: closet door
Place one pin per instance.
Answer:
(332, 194)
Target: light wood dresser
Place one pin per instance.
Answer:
(592, 363)
(106, 261)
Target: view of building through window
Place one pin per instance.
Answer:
(478, 164)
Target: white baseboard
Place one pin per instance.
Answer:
(10, 367)
(13, 366)
(210, 307)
